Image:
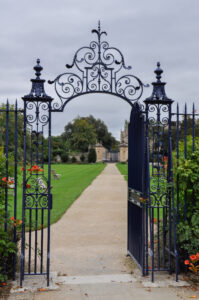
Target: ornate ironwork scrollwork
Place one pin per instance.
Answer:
(36, 191)
(98, 69)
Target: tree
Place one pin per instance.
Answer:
(80, 135)
(103, 135)
(11, 132)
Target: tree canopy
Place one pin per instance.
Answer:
(86, 131)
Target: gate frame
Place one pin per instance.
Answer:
(100, 73)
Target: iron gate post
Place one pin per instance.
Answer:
(161, 191)
(36, 199)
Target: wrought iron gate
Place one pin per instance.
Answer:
(152, 209)
(97, 68)
(136, 186)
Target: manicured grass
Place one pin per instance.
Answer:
(123, 168)
(73, 180)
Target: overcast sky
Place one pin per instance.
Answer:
(145, 32)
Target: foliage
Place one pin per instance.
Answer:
(187, 174)
(92, 155)
(103, 135)
(64, 157)
(82, 158)
(80, 134)
(193, 263)
(86, 131)
(7, 246)
(11, 132)
(73, 159)
(7, 249)
(181, 131)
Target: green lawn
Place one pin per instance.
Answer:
(73, 180)
(123, 168)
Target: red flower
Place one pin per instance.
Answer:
(28, 186)
(197, 256)
(193, 257)
(4, 179)
(186, 262)
(18, 222)
(35, 168)
(154, 220)
(22, 169)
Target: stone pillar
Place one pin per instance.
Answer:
(123, 152)
(100, 152)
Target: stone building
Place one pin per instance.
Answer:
(101, 152)
(123, 153)
(113, 156)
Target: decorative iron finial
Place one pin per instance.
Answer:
(158, 93)
(38, 69)
(158, 72)
(99, 26)
(37, 92)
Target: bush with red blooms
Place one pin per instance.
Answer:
(193, 263)
(33, 169)
(7, 182)
(7, 246)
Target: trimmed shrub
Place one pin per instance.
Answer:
(73, 159)
(92, 155)
(82, 158)
(64, 157)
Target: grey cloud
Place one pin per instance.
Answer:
(145, 31)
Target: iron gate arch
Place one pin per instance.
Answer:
(99, 68)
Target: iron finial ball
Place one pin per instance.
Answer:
(158, 71)
(38, 69)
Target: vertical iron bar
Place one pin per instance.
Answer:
(172, 195)
(23, 201)
(193, 148)
(152, 244)
(42, 239)
(164, 237)
(6, 187)
(149, 194)
(158, 234)
(42, 151)
(36, 222)
(169, 180)
(15, 186)
(147, 178)
(49, 194)
(143, 207)
(193, 128)
(31, 149)
(185, 155)
(30, 240)
(177, 154)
